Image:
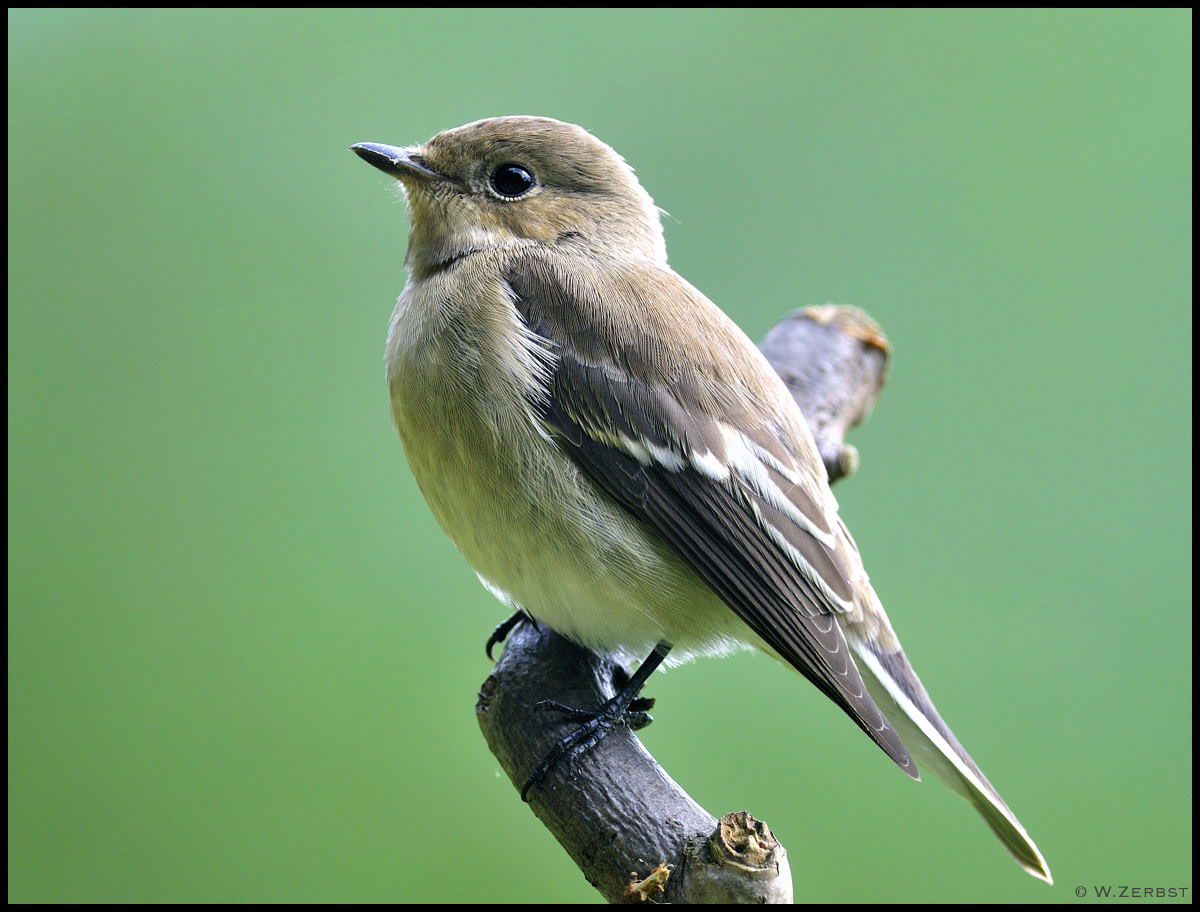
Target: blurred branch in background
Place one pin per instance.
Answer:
(634, 833)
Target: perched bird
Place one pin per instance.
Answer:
(614, 456)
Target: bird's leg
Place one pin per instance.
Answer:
(626, 708)
(503, 629)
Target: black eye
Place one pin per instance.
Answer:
(512, 180)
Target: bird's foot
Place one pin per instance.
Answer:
(626, 710)
(503, 629)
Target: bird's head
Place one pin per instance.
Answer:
(506, 181)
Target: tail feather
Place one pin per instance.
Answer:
(898, 691)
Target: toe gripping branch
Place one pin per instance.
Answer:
(624, 709)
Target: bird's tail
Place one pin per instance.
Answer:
(898, 691)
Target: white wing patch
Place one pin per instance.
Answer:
(708, 463)
(745, 459)
(665, 457)
(749, 462)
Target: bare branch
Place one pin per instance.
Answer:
(636, 835)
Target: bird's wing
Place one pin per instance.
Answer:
(693, 452)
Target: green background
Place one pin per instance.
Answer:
(243, 657)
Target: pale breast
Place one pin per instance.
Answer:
(515, 505)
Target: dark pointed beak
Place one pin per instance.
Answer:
(394, 160)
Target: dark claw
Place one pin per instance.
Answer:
(596, 725)
(638, 720)
(634, 716)
(570, 712)
(626, 708)
(503, 629)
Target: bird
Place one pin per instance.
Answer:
(611, 453)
